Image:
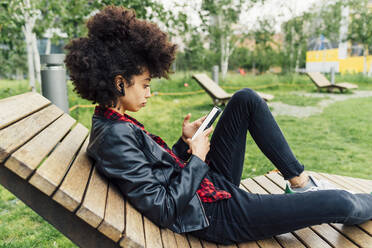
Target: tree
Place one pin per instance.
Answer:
(219, 18)
(360, 28)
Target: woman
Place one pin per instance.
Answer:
(193, 187)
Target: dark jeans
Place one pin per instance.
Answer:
(246, 216)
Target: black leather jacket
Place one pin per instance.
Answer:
(148, 176)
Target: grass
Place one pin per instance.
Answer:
(336, 141)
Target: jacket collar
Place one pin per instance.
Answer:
(114, 115)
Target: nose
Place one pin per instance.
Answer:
(148, 93)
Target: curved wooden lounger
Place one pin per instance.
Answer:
(43, 162)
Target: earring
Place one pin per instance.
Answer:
(122, 89)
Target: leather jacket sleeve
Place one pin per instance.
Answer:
(123, 160)
(180, 149)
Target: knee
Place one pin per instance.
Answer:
(246, 95)
(344, 203)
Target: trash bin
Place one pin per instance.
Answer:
(53, 80)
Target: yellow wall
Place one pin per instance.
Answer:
(351, 64)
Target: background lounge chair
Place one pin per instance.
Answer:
(219, 95)
(322, 82)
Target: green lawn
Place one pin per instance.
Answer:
(338, 140)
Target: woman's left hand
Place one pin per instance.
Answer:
(188, 129)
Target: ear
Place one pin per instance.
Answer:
(119, 82)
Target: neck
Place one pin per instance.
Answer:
(118, 109)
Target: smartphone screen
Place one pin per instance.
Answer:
(211, 117)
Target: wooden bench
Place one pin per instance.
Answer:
(219, 95)
(43, 162)
(321, 82)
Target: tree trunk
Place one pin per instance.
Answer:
(30, 63)
(365, 59)
(48, 46)
(36, 57)
(223, 56)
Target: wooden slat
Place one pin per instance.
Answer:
(169, 241)
(194, 242)
(207, 244)
(211, 87)
(16, 135)
(25, 160)
(93, 207)
(113, 223)
(50, 174)
(71, 191)
(181, 240)
(134, 233)
(152, 234)
(333, 237)
(227, 246)
(16, 107)
(248, 245)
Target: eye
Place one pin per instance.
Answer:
(147, 86)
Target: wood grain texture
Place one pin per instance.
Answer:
(24, 161)
(17, 107)
(71, 191)
(113, 223)
(16, 135)
(169, 241)
(92, 209)
(152, 234)
(50, 174)
(134, 231)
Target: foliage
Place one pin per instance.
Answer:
(360, 29)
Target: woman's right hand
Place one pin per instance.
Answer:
(200, 145)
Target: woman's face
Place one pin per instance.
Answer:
(136, 95)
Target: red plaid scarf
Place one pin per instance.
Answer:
(206, 191)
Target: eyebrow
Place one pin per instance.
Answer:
(147, 79)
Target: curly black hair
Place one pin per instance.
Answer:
(117, 44)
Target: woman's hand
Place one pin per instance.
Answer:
(200, 145)
(188, 129)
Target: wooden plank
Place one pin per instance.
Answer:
(16, 135)
(359, 237)
(24, 161)
(113, 223)
(333, 237)
(92, 209)
(134, 233)
(194, 242)
(16, 107)
(71, 191)
(227, 246)
(182, 242)
(207, 244)
(169, 241)
(77, 230)
(152, 234)
(50, 174)
(248, 245)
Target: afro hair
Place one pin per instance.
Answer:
(118, 43)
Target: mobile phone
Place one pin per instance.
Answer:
(211, 117)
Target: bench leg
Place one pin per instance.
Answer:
(63, 220)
